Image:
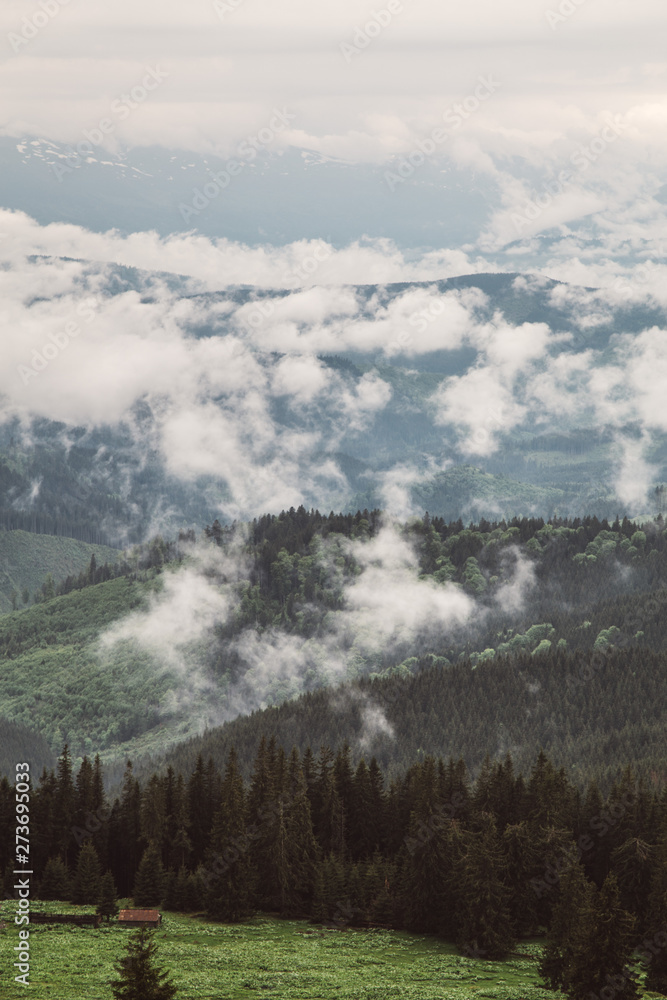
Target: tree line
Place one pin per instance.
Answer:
(483, 863)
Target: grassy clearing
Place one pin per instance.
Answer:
(281, 959)
(26, 559)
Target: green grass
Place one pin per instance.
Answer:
(26, 560)
(284, 960)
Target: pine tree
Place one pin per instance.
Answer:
(603, 951)
(484, 919)
(88, 876)
(140, 978)
(56, 882)
(107, 904)
(632, 864)
(567, 926)
(263, 813)
(426, 866)
(363, 840)
(64, 804)
(178, 843)
(656, 978)
(45, 840)
(149, 883)
(153, 813)
(230, 891)
(200, 808)
(125, 833)
(331, 893)
(302, 853)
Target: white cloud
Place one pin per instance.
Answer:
(636, 475)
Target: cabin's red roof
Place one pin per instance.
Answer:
(139, 915)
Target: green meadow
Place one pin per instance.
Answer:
(281, 959)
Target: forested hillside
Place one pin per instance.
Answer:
(593, 712)
(182, 636)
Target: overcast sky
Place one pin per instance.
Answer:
(525, 92)
(559, 74)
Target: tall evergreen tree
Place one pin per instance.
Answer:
(64, 804)
(570, 912)
(302, 852)
(656, 978)
(153, 812)
(149, 884)
(483, 903)
(107, 903)
(87, 877)
(56, 882)
(229, 895)
(45, 841)
(604, 949)
(139, 976)
(125, 842)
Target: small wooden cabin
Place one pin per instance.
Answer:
(139, 918)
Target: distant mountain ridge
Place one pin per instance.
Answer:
(100, 480)
(147, 188)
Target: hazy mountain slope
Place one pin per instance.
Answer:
(300, 602)
(592, 716)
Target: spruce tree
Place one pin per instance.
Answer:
(107, 904)
(330, 896)
(88, 876)
(300, 852)
(139, 976)
(56, 882)
(64, 805)
(426, 868)
(125, 833)
(567, 926)
(603, 951)
(230, 891)
(656, 978)
(484, 919)
(149, 883)
(182, 890)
